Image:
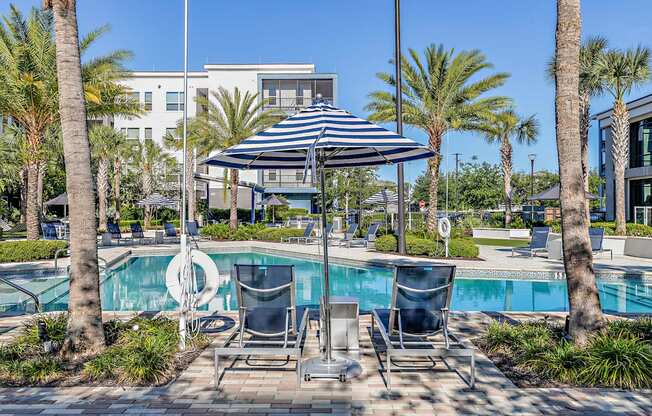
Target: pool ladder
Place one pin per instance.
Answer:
(100, 260)
(19, 288)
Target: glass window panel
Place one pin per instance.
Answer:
(325, 88)
(133, 133)
(272, 175)
(148, 132)
(148, 101)
(171, 131)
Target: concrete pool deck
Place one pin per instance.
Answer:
(495, 259)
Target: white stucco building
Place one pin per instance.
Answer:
(287, 87)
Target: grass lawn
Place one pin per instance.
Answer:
(13, 235)
(500, 242)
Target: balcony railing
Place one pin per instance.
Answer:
(292, 103)
(286, 181)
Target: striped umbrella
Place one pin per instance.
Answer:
(316, 138)
(382, 197)
(157, 200)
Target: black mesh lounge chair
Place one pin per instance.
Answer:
(349, 234)
(369, 238)
(538, 243)
(116, 235)
(270, 324)
(137, 234)
(421, 296)
(318, 240)
(49, 231)
(307, 233)
(170, 233)
(597, 241)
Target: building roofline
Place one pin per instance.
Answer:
(631, 105)
(227, 67)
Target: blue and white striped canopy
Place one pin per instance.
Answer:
(341, 139)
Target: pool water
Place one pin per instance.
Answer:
(139, 285)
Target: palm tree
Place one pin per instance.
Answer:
(501, 128)
(105, 142)
(590, 86)
(442, 95)
(620, 71)
(29, 88)
(585, 312)
(226, 122)
(84, 332)
(151, 160)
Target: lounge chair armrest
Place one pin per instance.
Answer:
(434, 289)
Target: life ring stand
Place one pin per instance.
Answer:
(211, 284)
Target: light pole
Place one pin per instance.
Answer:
(532, 156)
(399, 126)
(457, 172)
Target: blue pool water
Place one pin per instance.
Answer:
(139, 285)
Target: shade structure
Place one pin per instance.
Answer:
(157, 200)
(274, 201)
(552, 194)
(58, 200)
(316, 138)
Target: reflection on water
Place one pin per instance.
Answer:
(139, 285)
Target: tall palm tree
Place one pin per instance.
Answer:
(502, 128)
(84, 332)
(123, 153)
(620, 71)
(29, 88)
(150, 159)
(590, 86)
(444, 93)
(585, 311)
(105, 141)
(226, 122)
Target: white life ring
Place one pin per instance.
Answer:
(444, 227)
(212, 278)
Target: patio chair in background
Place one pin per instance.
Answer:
(307, 232)
(270, 324)
(318, 240)
(597, 241)
(138, 235)
(49, 231)
(538, 243)
(349, 235)
(421, 296)
(116, 234)
(170, 233)
(370, 237)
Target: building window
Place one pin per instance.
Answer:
(148, 101)
(296, 93)
(131, 132)
(640, 194)
(171, 132)
(270, 91)
(299, 175)
(134, 96)
(641, 144)
(148, 133)
(202, 96)
(272, 175)
(174, 101)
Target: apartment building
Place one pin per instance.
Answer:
(285, 87)
(638, 172)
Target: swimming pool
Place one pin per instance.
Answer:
(138, 285)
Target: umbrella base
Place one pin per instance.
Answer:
(338, 368)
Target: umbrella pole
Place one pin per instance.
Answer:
(327, 288)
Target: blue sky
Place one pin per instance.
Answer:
(355, 40)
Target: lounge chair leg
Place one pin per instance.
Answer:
(217, 370)
(298, 371)
(389, 372)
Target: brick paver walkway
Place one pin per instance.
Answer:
(438, 391)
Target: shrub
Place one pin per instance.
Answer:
(216, 231)
(29, 250)
(40, 369)
(278, 234)
(618, 362)
(463, 247)
(562, 362)
(500, 336)
(635, 230)
(386, 243)
(103, 366)
(640, 328)
(416, 246)
(55, 330)
(224, 214)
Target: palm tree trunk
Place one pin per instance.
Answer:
(31, 211)
(102, 190)
(117, 179)
(620, 151)
(233, 221)
(506, 158)
(147, 191)
(585, 125)
(433, 171)
(39, 187)
(585, 311)
(84, 331)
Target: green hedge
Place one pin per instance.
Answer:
(417, 246)
(249, 232)
(635, 230)
(28, 250)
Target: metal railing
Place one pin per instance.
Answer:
(21, 289)
(286, 180)
(292, 103)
